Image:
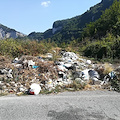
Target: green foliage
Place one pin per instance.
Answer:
(108, 47)
(109, 22)
(73, 27)
(101, 39)
(9, 47)
(36, 35)
(15, 48)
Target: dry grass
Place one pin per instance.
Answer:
(107, 68)
(88, 87)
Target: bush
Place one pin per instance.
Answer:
(16, 48)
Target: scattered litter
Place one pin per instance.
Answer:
(112, 75)
(49, 55)
(62, 68)
(34, 66)
(35, 89)
(88, 62)
(30, 63)
(85, 74)
(94, 74)
(15, 60)
(39, 73)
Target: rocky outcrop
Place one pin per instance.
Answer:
(54, 30)
(6, 32)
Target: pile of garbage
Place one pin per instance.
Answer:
(30, 74)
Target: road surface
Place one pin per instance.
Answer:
(82, 105)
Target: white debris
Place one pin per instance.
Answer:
(49, 55)
(85, 74)
(62, 68)
(31, 63)
(88, 62)
(18, 65)
(35, 89)
(70, 56)
(15, 60)
(67, 65)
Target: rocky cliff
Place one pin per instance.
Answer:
(6, 32)
(79, 22)
(64, 30)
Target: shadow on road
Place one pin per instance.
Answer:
(77, 114)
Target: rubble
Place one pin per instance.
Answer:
(33, 74)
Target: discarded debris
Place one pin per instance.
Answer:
(34, 89)
(40, 73)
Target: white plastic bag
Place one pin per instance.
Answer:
(35, 89)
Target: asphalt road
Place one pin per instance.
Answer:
(84, 105)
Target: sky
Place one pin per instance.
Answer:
(28, 16)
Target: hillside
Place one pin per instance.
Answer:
(6, 32)
(101, 39)
(69, 29)
(39, 60)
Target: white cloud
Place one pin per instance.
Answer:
(45, 3)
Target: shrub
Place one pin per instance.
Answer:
(107, 69)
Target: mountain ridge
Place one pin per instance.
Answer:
(6, 32)
(63, 30)
(69, 29)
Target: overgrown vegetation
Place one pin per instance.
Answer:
(101, 39)
(16, 48)
(106, 49)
